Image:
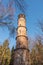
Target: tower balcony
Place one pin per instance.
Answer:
(22, 26)
(21, 16)
(21, 36)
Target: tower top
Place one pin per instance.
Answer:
(21, 16)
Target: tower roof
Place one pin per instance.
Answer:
(21, 16)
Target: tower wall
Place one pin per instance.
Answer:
(22, 42)
(21, 56)
(21, 39)
(21, 31)
(21, 22)
(21, 53)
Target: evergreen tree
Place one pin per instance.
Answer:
(12, 56)
(37, 54)
(5, 53)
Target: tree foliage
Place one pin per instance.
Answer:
(5, 53)
(37, 54)
(12, 56)
(7, 57)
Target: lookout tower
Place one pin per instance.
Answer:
(21, 53)
(22, 40)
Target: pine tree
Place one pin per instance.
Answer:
(37, 54)
(5, 55)
(12, 56)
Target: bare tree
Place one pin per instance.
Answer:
(7, 13)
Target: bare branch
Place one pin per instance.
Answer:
(7, 14)
(41, 24)
(10, 27)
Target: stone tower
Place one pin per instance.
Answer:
(21, 53)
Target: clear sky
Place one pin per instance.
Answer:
(34, 12)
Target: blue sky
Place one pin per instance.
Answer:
(34, 12)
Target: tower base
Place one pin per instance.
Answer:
(21, 56)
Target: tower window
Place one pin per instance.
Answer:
(20, 24)
(20, 31)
